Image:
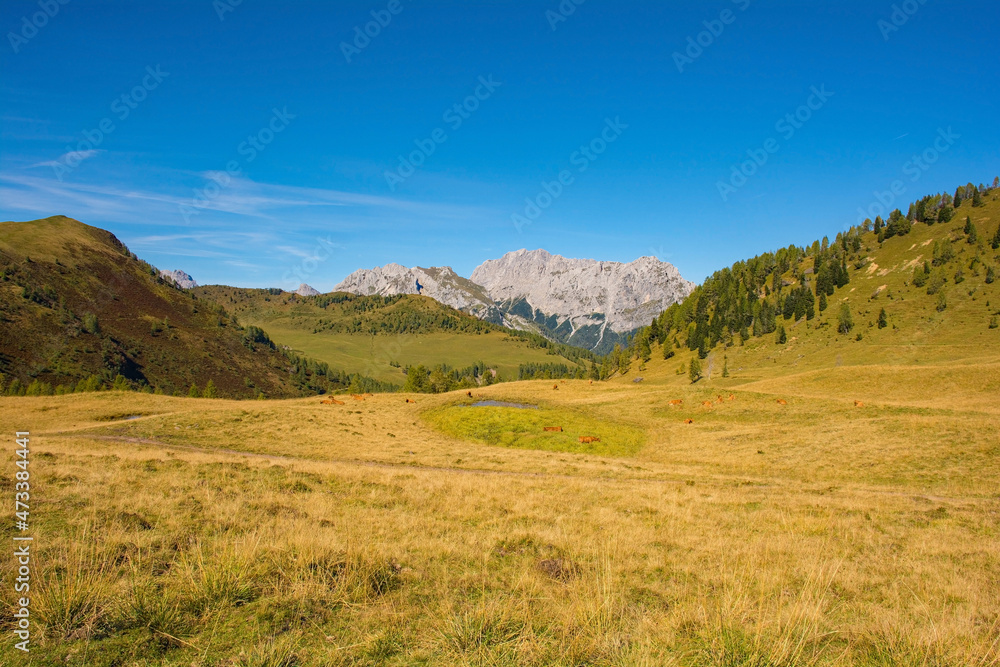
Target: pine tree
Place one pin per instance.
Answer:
(193, 392)
(977, 199)
(973, 233)
(694, 370)
(822, 301)
(990, 275)
(210, 391)
(958, 197)
(996, 240)
(782, 337)
(883, 321)
(968, 226)
(725, 366)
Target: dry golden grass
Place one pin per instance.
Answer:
(212, 532)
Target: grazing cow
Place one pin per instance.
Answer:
(688, 421)
(719, 400)
(859, 404)
(555, 386)
(370, 395)
(357, 397)
(732, 397)
(410, 400)
(469, 394)
(706, 404)
(587, 439)
(591, 382)
(556, 429)
(677, 401)
(562, 381)
(331, 401)
(782, 401)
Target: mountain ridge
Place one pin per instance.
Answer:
(585, 302)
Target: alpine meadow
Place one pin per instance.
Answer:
(464, 360)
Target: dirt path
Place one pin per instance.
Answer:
(412, 467)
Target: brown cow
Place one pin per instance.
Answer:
(782, 401)
(586, 439)
(859, 404)
(732, 397)
(688, 421)
(591, 382)
(357, 397)
(469, 394)
(557, 429)
(331, 401)
(677, 401)
(410, 400)
(562, 381)
(707, 404)
(370, 395)
(555, 386)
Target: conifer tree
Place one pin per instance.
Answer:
(883, 321)
(958, 197)
(996, 240)
(782, 337)
(694, 370)
(822, 301)
(210, 391)
(193, 392)
(977, 199)
(973, 233)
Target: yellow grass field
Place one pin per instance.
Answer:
(174, 531)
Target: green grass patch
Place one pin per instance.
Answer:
(520, 428)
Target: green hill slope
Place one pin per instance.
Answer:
(75, 304)
(926, 294)
(380, 336)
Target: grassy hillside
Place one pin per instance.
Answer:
(928, 296)
(76, 305)
(381, 336)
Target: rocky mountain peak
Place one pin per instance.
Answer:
(180, 278)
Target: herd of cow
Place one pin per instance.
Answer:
(586, 439)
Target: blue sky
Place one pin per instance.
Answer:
(642, 139)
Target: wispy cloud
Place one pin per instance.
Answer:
(240, 197)
(70, 158)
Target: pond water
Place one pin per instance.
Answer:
(503, 404)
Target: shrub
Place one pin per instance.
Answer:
(845, 321)
(90, 324)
